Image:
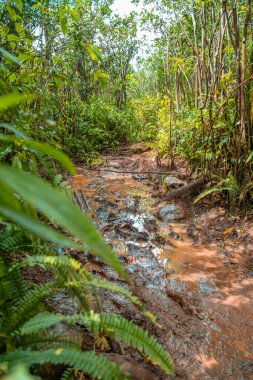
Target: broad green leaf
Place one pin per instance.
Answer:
(43, 148)
(25, 57)
(13, 129)
(10, 100)
(13, 37)
(57, 59)
(19, 28)
(19, 4)
(7, 197)
(4, 30)
(11, 12)
(10, 56)
(94, 52)
(103, 77)
(57, 206)
(37, 228)
(74, 15)
(210, 191)
(64, 24)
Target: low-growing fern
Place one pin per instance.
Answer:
(115, 326)
(95, 365)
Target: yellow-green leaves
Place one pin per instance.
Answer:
(25, 57)
(19, 4)
(95, 53)
(13, 38)
(102, 77)
(64, 23)
(10, 100)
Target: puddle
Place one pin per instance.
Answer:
(204, 306)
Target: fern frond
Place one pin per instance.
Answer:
(10, 240)
(90, 363)
(67, 271)
(124, 292)
(12, 285)
(115, 326)
(64, 262)
(68, 374)
(25, 307)
(52, 339)
(76, 278)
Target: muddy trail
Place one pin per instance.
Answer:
(197, 280)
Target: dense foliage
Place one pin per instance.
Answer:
(202, 67)
(71, 81)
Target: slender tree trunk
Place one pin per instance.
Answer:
(244, 132)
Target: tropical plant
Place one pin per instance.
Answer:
(237, 194)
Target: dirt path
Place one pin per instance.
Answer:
(201, 294)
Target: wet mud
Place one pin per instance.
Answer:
(203, 303)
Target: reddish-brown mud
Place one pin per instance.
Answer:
(200, 289)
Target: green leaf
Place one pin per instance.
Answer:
(13, 37)
(43, 148)
(96, 365)
(103, 77)
(95, 53)
(210, 191)
(11, 100)
(57, 59)
(37, 228)
(64, 24)
(10, 56)
(25, 57)
(7, 197)
(19, 4)
(57, 206)
(115, 326)
(19, 28)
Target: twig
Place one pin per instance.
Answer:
(85, 200)
(129, 172)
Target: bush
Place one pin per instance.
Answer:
(98, 127)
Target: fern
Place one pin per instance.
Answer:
(51, 339)
(115, 326)
(25, 307)
(68, 374)
(75, 279)
(90, 363)
(124, 292)
(10, 240)
(67, 271)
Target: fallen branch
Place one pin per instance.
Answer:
(129, 171)
(184, 191)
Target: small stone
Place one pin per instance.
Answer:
(170, 213)
(174, 182)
